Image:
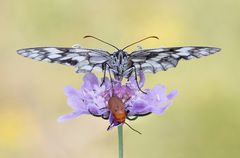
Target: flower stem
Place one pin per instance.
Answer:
(120, 141)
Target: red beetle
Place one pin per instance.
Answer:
(117, 109)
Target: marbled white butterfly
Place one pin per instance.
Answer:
(119, 63)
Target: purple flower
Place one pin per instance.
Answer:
(93, 99)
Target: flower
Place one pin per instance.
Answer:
(93, 98)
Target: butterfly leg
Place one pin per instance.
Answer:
(110, 76)
(136, 79)
(104, 75)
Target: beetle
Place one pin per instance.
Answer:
(117, 108)
(119, 112)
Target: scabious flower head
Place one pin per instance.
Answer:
(92, 98)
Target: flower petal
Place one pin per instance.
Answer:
(69, 91)
(173, 94)
(159, 110)
(139, 107)
(74, 98)
(70, 116)
(90, 80)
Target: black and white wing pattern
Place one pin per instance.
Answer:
(83, 59)
(161, 59)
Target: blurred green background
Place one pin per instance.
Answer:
(204, 120)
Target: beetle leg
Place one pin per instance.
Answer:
(103, 108)
(103, 116)
(143, 114)
(110, 126)
(106, 117)
(131, 119)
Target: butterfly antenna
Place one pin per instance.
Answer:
(140, 41)
(132, 128)
(100, 41)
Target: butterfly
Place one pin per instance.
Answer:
(119, 63)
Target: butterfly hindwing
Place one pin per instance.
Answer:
(161, 59)
(84, 60)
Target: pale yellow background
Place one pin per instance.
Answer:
(203, 122)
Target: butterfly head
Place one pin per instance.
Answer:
(119, 63)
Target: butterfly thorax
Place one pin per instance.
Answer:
(119, 64)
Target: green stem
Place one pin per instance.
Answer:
(120, 141)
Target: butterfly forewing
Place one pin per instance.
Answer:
(161, 59)
(119, 63)
(85, 60)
